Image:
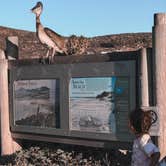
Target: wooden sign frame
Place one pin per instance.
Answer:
(64, 72)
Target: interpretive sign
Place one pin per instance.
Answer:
(96, 102)
(80, 101)
(122, 103)
(92, 104)
(36, 102)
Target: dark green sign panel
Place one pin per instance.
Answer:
(84, 100)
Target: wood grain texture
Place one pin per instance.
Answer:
(8, 145)
(144, 78)
(159, 33)
(4, 108)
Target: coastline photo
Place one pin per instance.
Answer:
(36, 103)
(92, 104)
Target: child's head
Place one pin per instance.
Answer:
(140, 121)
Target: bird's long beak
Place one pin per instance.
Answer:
(33, 9)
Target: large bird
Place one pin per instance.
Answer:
(58, 44)
(46, 36)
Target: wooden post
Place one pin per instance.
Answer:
(159, 53)
(8, 145)
(144, 78)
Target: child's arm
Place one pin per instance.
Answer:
(155, 159)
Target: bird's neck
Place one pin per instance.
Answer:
(38, 23)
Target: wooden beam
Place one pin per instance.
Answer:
(159, 53)
(115, 56)
(73, 141)
(8, 145)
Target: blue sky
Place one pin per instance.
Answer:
(83, 17)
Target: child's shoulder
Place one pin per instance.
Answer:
(147, 145)
(144, 139)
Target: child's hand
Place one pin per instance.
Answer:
(155, 159)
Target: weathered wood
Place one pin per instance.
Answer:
(73, 141)
(115, 56)
(159, 53)
(144, 78)
(64, 72)
(8, 145)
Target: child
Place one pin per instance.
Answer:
(145, 153)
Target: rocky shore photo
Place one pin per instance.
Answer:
(36, 103)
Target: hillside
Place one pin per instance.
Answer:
(29, 46)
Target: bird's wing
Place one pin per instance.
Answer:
(55, 37)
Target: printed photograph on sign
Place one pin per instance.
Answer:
(36, 103)
(92, 104)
